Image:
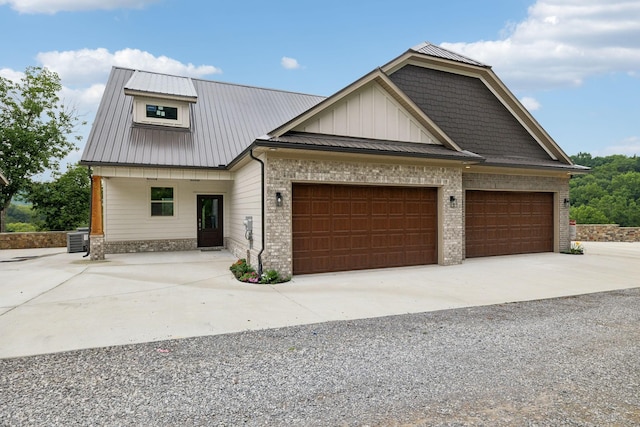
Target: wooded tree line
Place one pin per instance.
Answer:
(609, 194)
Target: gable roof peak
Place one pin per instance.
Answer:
(429, 49)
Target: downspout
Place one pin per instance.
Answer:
(262, 209)
(90, 210)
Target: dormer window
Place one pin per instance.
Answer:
(162, 112)
(160, 99)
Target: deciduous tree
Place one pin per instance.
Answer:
(35, 130)
(63, 204)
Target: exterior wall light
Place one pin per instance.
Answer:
(453, 202)
(567, 203)
(278, 199)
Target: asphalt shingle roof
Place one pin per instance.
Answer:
(466, 110)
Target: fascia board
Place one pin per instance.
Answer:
(422, 60)
(493, 83)
(154, 95)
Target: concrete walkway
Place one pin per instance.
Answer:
(51, 301)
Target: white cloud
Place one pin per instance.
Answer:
(562, 43)
(84, 72)
(530, 103)
(628, 146)
(86, 66)
(10, 74)
(289, 63)
(54, 6)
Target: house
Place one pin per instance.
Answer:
(429, 159)
(3, 180)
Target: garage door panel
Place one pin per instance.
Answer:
(320, 225)
(364, 227)
(502, 223)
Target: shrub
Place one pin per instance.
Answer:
(245, 273)
(251, 277)
(240, 268)
(272, 276)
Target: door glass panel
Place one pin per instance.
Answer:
(214, 214)
(209, 213)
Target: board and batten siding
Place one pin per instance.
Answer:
(369, 113)
(245, 200)
(127, 208)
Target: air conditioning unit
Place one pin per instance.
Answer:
(77, 241)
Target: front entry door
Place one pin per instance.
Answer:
(210, 231)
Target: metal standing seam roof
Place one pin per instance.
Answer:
(161, 84)
(225, 120)
(429, 49)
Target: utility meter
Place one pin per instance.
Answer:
(248, 227)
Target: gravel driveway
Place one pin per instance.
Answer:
(571, 361)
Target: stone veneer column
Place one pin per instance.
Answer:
(96, 234)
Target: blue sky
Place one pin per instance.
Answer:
(575, 64)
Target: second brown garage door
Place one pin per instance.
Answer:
(349, 227)
(505, 223)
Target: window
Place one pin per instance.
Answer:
(161, 201)
(162, 112)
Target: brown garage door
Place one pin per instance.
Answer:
(505, 223)
(348, 227)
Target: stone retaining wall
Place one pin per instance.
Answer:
(48, 239)
(607, 233)
(160, 245)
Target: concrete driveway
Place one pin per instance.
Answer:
(51, 301)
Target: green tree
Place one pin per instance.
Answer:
(19, 213)
(34, 130)
(64, 202)
(611, 192)
(20, 227)
(588, 215)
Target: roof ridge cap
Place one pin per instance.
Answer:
(417, 49)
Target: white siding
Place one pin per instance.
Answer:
(369, 113)
(127, 208)
(245, 200)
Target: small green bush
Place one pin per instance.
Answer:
(272, 276)
(240, 268)
(245, 273)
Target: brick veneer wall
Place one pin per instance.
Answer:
(282, 172)
(607, 233)
(48, 239)
(558, 185)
